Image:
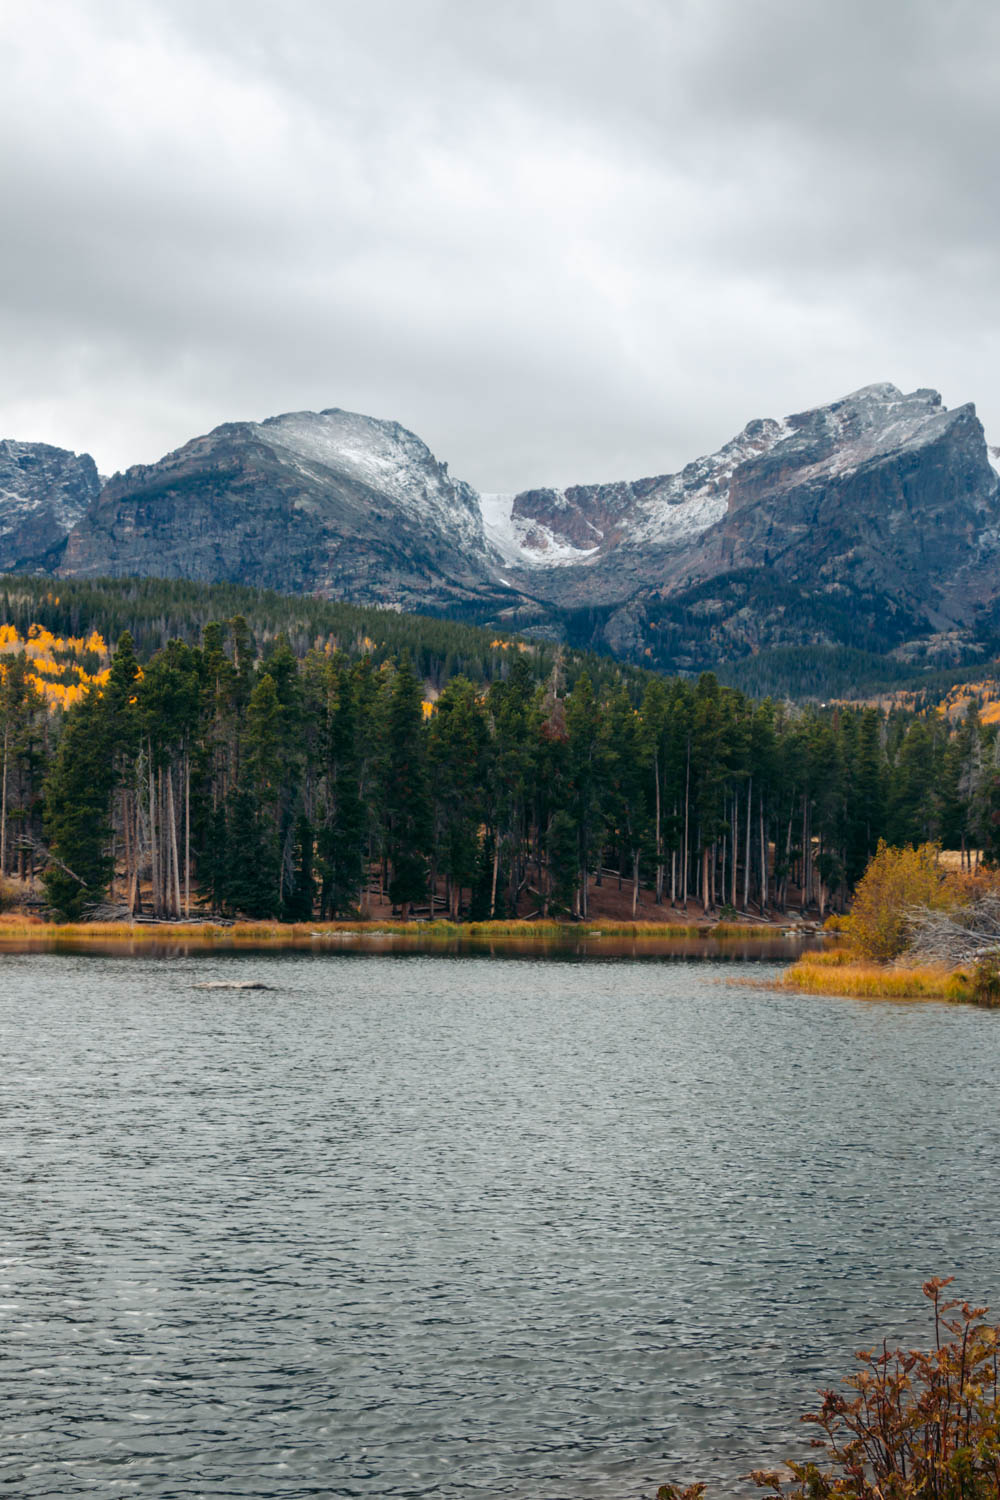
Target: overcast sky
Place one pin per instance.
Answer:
(562, 240)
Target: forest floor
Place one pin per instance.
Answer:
(609, 901)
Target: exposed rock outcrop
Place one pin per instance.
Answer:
(44, 491)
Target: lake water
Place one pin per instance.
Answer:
(461, 1225)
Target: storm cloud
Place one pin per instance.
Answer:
(561, 241)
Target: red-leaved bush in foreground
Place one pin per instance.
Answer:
(920, 1426)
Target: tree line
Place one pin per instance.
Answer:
(279, 785)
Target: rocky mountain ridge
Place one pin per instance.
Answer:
(872, 522)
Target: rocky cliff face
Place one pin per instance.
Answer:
(329, 503)
(44, 492)
(872, 522)
(879, 490)
(882, 509)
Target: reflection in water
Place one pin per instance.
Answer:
(452, 1226)
(764, 949)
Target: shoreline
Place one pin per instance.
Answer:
(208, 930)
(527, 940)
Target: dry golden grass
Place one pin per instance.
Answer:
(13, 924)
(843, 973)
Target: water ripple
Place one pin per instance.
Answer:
(444, 1226)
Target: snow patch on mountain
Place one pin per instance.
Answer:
(387, 459)
(528, 542)
(678, 507)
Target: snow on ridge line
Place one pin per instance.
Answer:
(383, 456)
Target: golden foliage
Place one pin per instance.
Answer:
(895, 881)
(55, 669)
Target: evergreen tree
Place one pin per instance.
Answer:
(77, 820)
(459, 772)
(406, 794)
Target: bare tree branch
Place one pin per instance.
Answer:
(26, 842)
(961, 935)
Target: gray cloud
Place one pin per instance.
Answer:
(560, 241)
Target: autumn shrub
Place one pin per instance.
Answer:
(919, 1426)
(985, 980)
(895, 883)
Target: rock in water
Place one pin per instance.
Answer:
(232, 984)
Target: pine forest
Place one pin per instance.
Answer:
(306, 761)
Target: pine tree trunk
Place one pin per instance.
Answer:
(3, 805)
(763, 859)
(135, 813)
(127, 841)
(187, 834)
(736, 849)
(166, 872)
(173, 842)
(154, 894)
(635, 882)
(746, 849)
(659, 835)
(163, 844)
(687, 817)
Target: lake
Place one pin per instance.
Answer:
(460, 1225)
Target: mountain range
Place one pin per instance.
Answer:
(871, 523)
